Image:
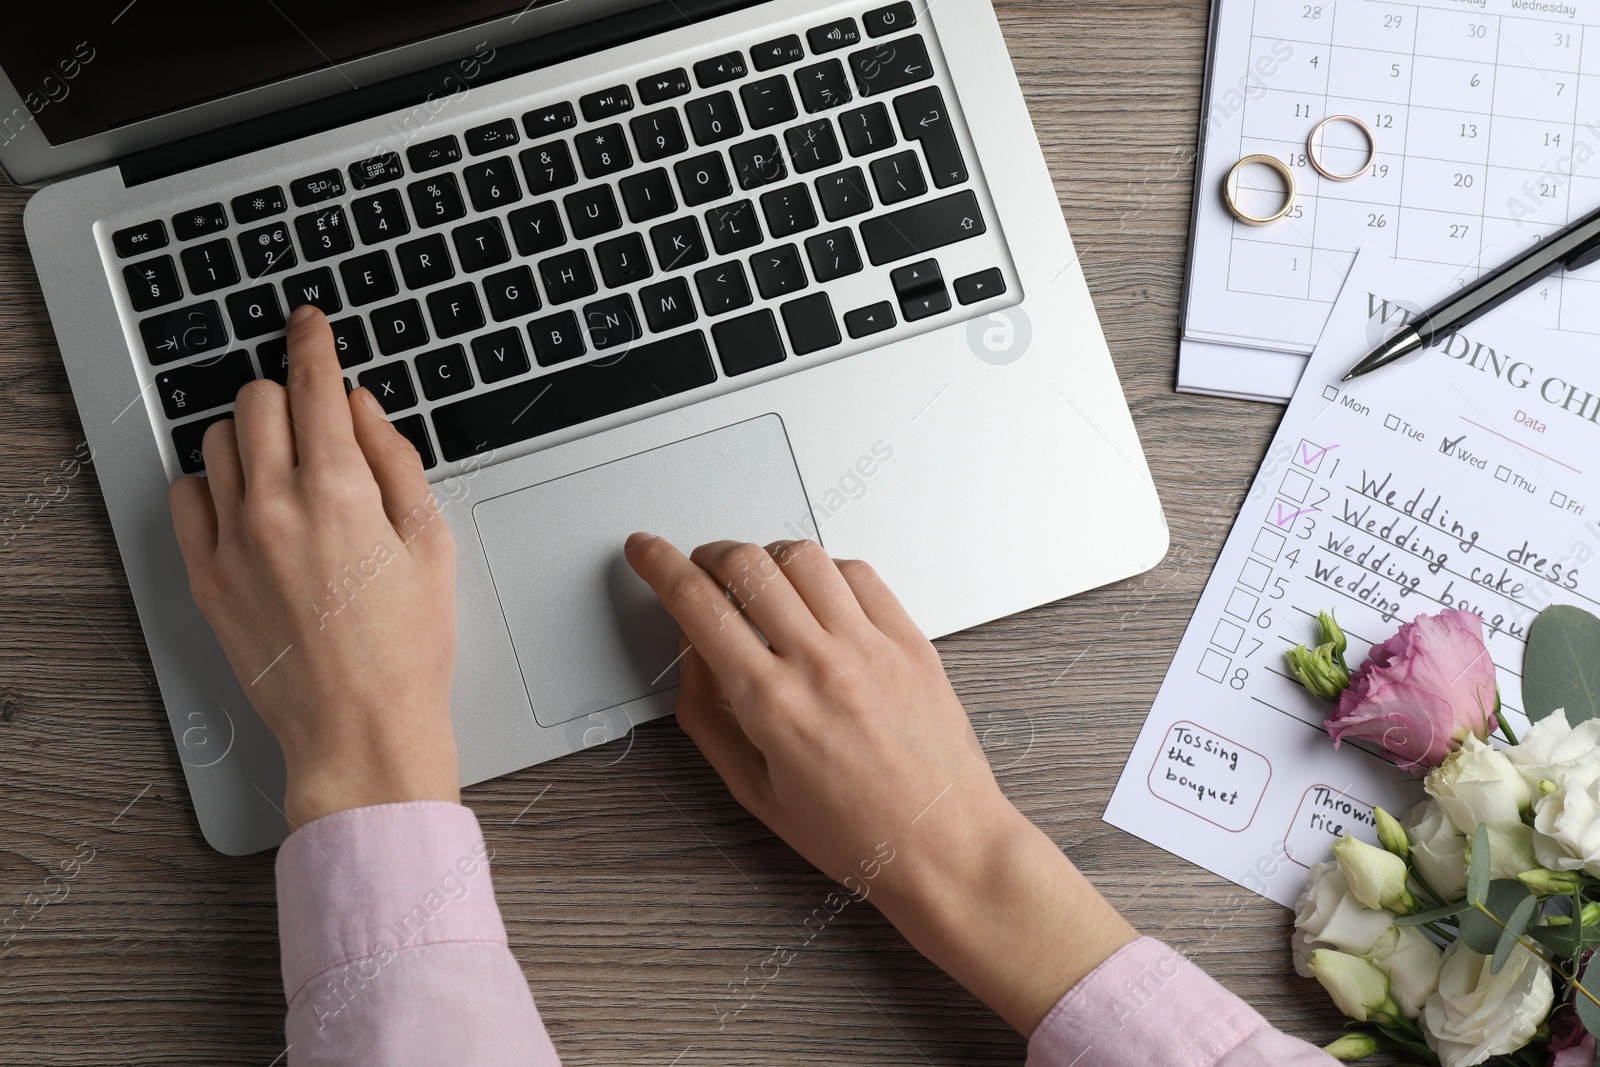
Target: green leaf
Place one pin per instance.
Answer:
(1561, 668)
(1588, 1011)
(1449, 911)
(1481, 933)
(1478, 869)
(1564, 941)
(1516, 926)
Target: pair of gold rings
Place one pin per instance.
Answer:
(1230, 184)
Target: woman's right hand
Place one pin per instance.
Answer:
(841, 732)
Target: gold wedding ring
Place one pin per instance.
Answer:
(1313, 152)
(1230, 190)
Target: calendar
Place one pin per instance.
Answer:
(1486, 115)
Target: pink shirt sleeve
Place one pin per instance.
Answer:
(1147, 1006)
(393, 948)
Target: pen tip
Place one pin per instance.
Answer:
(1348, 377)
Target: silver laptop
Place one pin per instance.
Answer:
(709, 268)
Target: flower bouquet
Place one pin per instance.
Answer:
(1467, 935)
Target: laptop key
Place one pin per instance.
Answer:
(844, 193)
(648, 195)
(833, 254)
(832, 35)
(778, 53)
(720, 69)
(436, 201)
(429, 155)
(267, 250)
(758, 162)
(185, 331)
(768, 102)
(678, 243)
(622, 260)
(455, 310)
(874, 318)
(261, 204)
(425, 261)
(197, 222)
(480, 245)
(980, 286)
(810, 324)
(500, 355)
(667, 305)
(492, 184)
(898, 177)
(324, 233)
(391, 384)
(924, 118)
(511, 294)
(663, 86)
(315, 188)
(368, 278)
(813, 146)
(204, 385)
(492, 137)
(891, 19)
(748, 342)
(823, 86)
(702, 179)
(186, 440)
(556, 338)
(867, 129)
(778, 271)
(603, 151)
(314, 287)
(893, 65)
(443, 372)
(612, 322)
(658, 134)
(722, 288)
(152, 283)
(136, 240)
(380, 217)
(547, 120)
(548, 167)
(567, 277)
(713, 118)
(415, 429)
(607, 102)
(926, 304)
(377, 170)
(573, 395)
(255, 312)
(592, 211)
(922, 227)
(788, 210)
(733, 227)
(915, 278)
(398, 328)
(536, 228)
(210, 266)
(350, 341)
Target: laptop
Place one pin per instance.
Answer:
(709, 268)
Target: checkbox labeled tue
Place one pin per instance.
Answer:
(1391, 422)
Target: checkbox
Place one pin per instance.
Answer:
(1227, 635)
(1391, 422)
(1309, 455)
(1255, 575)
(1296, 484)
(1214, 665)
(1502, 474)
(1330, 392)
(1558, 498)
(1242, 605)
(1269, 543)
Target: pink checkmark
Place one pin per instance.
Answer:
(1288, 520)
(1307, 459)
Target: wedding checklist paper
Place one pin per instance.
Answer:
(1465, 476)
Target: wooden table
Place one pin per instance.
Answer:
(634, 912)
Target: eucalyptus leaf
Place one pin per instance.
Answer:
(1516, 926)
(1561, 667)
(1481, 933)
(1588, 1011)
(1478, 869)
(1449, 911)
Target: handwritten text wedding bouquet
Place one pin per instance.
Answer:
(1468, 937)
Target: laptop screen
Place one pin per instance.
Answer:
(88, 67)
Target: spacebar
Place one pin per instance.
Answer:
(914, 230)
(573, 395)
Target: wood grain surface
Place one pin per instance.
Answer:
(634, 890)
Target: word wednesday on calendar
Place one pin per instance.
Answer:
(1464, 476)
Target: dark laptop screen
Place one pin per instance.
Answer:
(87, 67)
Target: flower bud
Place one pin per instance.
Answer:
(1358, 988)
(1377, 878)
(1328, 633)
(1352, 1047)
(1591, 914)
(1553, 883)
(1391, 834)
(1319, 670)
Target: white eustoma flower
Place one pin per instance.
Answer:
(1412, 962)
(1566, 827)
(1328, 915)
(1476, 784)
(1357, 987)
(1553, 751)
(1377, 877)
(1475, 1014)
(1438, 849)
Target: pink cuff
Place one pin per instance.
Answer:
(368, 881)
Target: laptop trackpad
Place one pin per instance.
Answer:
(588, 633)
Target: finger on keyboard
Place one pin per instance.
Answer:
(320, 413)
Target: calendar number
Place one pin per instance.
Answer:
(1380, 170)
(1376, 221)
(1239, 677)
(1478, 30)
(1552, 139)
(1561, 87)
(1463, 181)
(1547, 190)
(1295, 159)
(1384, 122)
(1302, 111)
(1476, 81)
(1469, 130)
(1311, 12)
(1315, 60)
(1296, 212)
(1563, 40)
(1394, 70)
(1458, 230)
(1392, 22)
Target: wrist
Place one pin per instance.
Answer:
(381, 766)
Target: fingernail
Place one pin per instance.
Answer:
(372, 403)
(301, 313)
(636, 539)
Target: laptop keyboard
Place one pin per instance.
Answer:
(540, 271)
